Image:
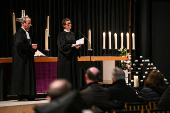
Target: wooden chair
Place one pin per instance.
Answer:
(158, 111)
(136, 105)
(126, 111)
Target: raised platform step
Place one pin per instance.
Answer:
(15, 106)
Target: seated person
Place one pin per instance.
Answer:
(154, 86)
(96, 97)
(62, 99)
(164, 102)
(94, 94)
(119, 90)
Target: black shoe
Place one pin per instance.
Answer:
(31, 99)
(22, 100)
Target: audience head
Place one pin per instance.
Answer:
(58, 88)
(155, 78)
(26, 23)
(92, 75)
(117, 74)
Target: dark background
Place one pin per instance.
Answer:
(150, 23)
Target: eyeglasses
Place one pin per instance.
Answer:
(68, 24)
(29, 24)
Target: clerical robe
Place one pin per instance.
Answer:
(67, 58)
(23, 67)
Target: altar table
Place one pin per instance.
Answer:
(46, 70)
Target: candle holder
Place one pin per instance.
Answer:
(104, 51)
(47, 52)
(110, 52)
(90, 53)
(116, 52)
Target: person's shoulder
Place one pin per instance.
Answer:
(20, 30)
(146, 89)
(86, 90)
(62, 32)
(72, 32)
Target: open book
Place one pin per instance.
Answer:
(38, 53)
(79, 42)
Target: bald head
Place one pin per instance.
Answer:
(59, 88)
(93, 74)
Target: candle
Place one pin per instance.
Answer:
(148, 64)
(141, 56)
(48, 21)
(136, 82)
(89, 39)
(146, 72)
(144, 76)
(14, 24)
(151, 64)
(22, 13)
(127, 35)
(133, 41)
(147, 60)
(46, 39)
(139, 68)
(141, 64)
(104, 36)
(121, 40)
(137, 72)
(115, 37)
(136, 60)
(110, 41)
(154, 67)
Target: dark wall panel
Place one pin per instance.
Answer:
(161, 35)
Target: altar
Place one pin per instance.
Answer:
(46, 71)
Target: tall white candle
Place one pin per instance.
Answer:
(14, 23)
(122, 40)
(89, 38)
(104, 37)
(48, 21)
(136, 81)
(127, 36)
(22, 13)
(110, 41)
(133, 41)
(115, 37)
(46, 39)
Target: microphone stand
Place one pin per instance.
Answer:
(90, 50)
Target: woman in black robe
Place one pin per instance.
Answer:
(67, 55)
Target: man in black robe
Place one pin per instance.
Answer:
(67, 55)
(23, 67)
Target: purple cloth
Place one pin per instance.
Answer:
(45, 73)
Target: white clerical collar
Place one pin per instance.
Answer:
(28, 36)
(66, 30)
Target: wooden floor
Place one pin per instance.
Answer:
(15, 106)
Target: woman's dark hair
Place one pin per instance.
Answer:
(155, 78)
(64, 21)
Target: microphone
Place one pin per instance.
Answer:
(83, 36)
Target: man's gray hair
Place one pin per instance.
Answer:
(23, 19)
(118, 74)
